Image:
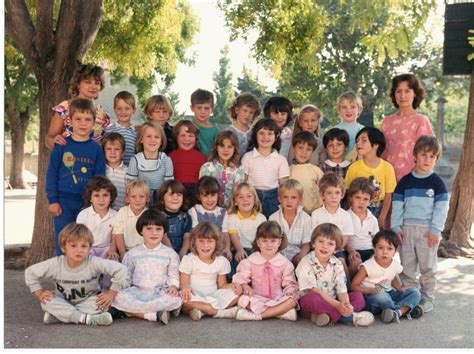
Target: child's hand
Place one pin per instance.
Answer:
(59, 139)
(186, 293)
(431, 239)
(105, 299)
(381, 220)
(247, 290)
(44, 295)
(240, 255)
(227, 254)
(237, 288)
(401, 236)
(181, 254)
(343, 309)
(112, 254)
(172, 290)
(354, 256)
(55, 209)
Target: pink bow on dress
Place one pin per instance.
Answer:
(267, 281)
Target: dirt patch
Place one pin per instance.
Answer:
(15, 257)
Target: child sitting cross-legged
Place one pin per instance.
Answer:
(377, 280)
(204, 287)
(322, 278)
(77, 298)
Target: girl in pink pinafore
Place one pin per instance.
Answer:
(273, 290)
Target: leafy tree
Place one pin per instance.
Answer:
(249, 83)
(223, 89)
(54, 35)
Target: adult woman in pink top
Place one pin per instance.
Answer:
(405, 126)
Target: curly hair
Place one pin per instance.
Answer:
(84, 72)
(97, 183)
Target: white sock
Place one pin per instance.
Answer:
(150, 316)
(85, 319)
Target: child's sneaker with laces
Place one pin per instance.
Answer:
(427, 306)
(290, 315)
(244, 315)
(321, 319)
(116, 313)
(195, 314)
(227, 313)
(163, 317)
(49, 319)
(101, 319)
(415, 312)
(389, 315)
(363, 318)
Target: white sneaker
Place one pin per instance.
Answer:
(101, 319)
(49, 319)
(176, 312)
(163, 317)
(320, 320)
(363, 318)
(290, 315)
(227, 313)
(427, 306)
(195, 314)
(244, 315)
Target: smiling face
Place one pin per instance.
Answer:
(336, 149)
(425, 161)
(202, 112)
(124, 112)
(279, 118)
(152, 235)
(137, 199)
(173, 201)
(265, 138)
(82, 124)
(185, 139)
(324, 248)
(244, 115)
(209, 201)
(89, 88)
(404, 95)
(160, 115)
(245, 201)
(348, 111)
(268, 246)
(303, 152)
(205, 247)
(225, 151)
(113, 153)
(76, 251)
(290, 199)
(151, 140)
(309, 121)
(384, 252)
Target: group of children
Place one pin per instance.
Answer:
(246, 223)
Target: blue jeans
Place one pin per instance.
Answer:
(71, 205)
(269, 200)
(392, 299)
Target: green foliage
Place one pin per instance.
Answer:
(223, 89)
(248, 83)
(140, 39)
(174, 100)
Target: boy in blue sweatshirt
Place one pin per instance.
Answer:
(419, 210)
(71, 166)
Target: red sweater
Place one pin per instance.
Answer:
(186, 164)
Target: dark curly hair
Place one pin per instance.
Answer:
(84, 72)
(414, 83)
(97, 183)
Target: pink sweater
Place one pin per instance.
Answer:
(401, 134)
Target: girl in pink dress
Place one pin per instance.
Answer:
(273, 290)
(405, 126)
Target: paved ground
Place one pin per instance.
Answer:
(450, 325)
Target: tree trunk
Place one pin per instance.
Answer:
(458, 239)
(18, 126)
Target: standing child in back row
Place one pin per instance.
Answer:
(280, 110)
(71, 166)
(420, 206)
(113, 145)
(158, 109)
(202, 105)
(349, 108)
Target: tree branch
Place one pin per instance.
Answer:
(20, 27)
(44, 26)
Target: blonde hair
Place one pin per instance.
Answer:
(158, 128)
(137, 185)
(155, 102)
(291, 185)
(208, 230)
(75, 232)
(308, 108)
(350, 96)
(257, 206)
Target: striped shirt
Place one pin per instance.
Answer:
(152, 171)
(264, 172)
(118, 178)
(130, 136)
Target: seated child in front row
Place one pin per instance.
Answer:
(359, 248)
(113, 145)
(335, 142)
(170, 201)
(332, 190)
(293, 220)
(204, 287)
(377, 280)
(370, 143)
(322, 278)
(152, 274)
(309, 175)
(207, 192)
(267, 278)
(77, 298)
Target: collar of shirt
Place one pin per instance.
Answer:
(153, 249)
(119, 167)
(299, 210)
(344, 163)
(278, 260)
(421, 176)
(329, 213)
(252, 216)
(315, 261)
(368, 216)
(106, 216)
(255, 153)
(131, 214)
(217, 210)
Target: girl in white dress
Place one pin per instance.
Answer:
(204, 287)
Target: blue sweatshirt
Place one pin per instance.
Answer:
(420, 200)
(71, 166)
